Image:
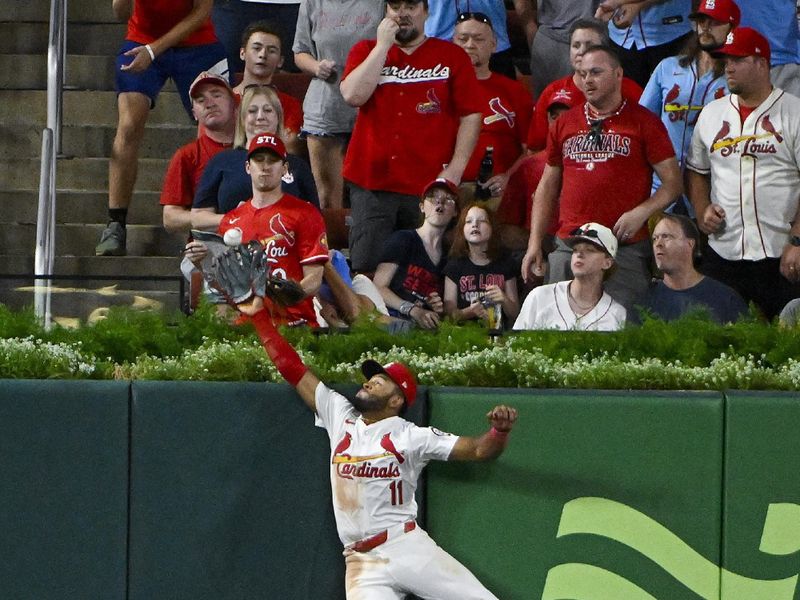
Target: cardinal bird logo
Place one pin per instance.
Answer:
(432, 106)
(388, 445)
(280, 230)
(343, 445)
(672, 94)
(501, 113)
(721, 134)
(769, 127)
(720, 93)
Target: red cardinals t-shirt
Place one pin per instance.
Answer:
(293, 233)
(602, 181)
(185, 168)
(507, 107)
(406, 132)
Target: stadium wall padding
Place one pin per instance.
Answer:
(220, 490)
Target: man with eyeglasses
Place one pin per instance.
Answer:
(507, 105)
(600, 164)
(418, 119)
(743, 177)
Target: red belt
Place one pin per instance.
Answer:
(376, 540)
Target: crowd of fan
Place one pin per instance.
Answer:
(658, 170)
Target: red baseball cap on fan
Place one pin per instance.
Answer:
(724, 11)
(561, 96)
(397, 372)
(268, 142)
(744, 41)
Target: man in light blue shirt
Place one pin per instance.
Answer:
(645, 33)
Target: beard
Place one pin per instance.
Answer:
(366, 402)
(711, 46)
(405, 35)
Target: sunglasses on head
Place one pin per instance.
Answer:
(474, 16)
(584, 233)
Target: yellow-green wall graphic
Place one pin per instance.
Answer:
(626, 525)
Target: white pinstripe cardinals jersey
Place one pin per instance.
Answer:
(755, 172)
(374, 468)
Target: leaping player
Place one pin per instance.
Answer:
(376, 460)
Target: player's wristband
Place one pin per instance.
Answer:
(150, 52)
(499, 435)
(285, 358)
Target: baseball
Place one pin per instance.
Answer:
(233, 237)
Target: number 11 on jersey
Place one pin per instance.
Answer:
(396, 488)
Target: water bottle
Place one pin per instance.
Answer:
(485, 173)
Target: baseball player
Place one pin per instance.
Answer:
(743, 176)
(419, 112)
(291, 230)
(682, 85)
(376, 460)
(591, 149)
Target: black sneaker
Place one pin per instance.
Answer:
(112, 242)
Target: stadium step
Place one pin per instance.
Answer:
(77, 206)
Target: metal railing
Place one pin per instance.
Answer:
(51, 148)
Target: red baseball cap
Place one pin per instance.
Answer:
(724, 11)
(268, 142)
(744, 41)
(397, 372)
(209, 77)
(441, 182)
(561, 96)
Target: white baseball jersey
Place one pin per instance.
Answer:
(374, 468)
(547, 307)
(755, 172)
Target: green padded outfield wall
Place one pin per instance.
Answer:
(63, 489)
(230, 496)
(761, 504)
(600, 495)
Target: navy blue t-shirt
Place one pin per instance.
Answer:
(724, 304)
(225, 184)
(416, 275)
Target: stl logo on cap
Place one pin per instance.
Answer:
(710, 4)
(729, 39)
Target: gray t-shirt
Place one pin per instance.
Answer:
(555, 17)
(327, 30)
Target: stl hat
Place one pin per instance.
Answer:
(268, 143)
(594, 233)
(209, 77)
(397, 372)
(744, 41)
(724, 11)
(441, 182)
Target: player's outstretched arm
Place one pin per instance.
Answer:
(492, 443)
(286, 359)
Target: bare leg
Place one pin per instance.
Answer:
(123, 165)
(327, 155)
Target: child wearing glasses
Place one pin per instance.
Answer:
(409, 273)
(480, 278)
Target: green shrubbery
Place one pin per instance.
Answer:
(690, 354)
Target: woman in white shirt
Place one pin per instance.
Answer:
(580, 303)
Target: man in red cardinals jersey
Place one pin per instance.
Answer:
(743, 177)
(601, 158)
(291, 230)
(418, 119)
(165, 39)
(376, 459)
(507, 104)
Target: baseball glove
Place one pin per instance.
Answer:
(241, 272)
